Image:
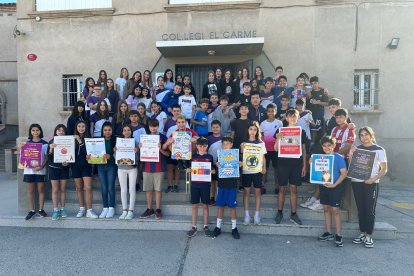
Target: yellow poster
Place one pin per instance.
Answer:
(252, 158)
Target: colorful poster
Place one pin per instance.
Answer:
(361, 164)
(229, 163)
(201, 171)
(95, 149)
(252, 158)
(125, 151)
(321, 169)
(181, 147)
(290, 145)
(30, 155)
(150, 151)
(64, 150)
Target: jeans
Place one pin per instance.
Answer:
(107, 176)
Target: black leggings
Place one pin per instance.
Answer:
(366, 200)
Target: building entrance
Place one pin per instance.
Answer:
(199, 72)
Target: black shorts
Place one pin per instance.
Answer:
(198, 194)
(318, 118)
(59, 174)
(289, 174)
(81, 171)
(331, 197)
(214, 177)
(172, 161)
(271, 156)
(34, 178)
(255, 178)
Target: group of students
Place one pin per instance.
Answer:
(231, 114)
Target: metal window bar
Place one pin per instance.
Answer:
(366, 90)
(72, 90)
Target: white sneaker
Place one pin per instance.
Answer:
(103, 213)
(246, 220)
(124, 214)
(80, 213)
(91, 214)
(111, 212)
(308, 202)
(316, 206)
(256, 220)
(130, 215)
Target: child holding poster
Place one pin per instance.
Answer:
(331, 194)
(58, 176)
(214, 144)
(34, 174)
(290, 169)
(227, 193)
(254, 166)
(153, 173)
(200, 190)
(366, 192)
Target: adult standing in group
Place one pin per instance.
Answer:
(366, 192)
(245, 77)
(112, 96)
(169, 79)
(147, 80)
(102, 78)
(120, 83)
(132, 83)
(210, 87)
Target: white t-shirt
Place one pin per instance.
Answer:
(187, 103)
(174, 128)
(161, 116)
(304, 122)
(380, 157)
(122, 83)
(269, 129)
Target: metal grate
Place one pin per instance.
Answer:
(72, 90)
(366, 89)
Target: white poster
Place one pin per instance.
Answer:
(64, 150)
(125, 151)
(149, 151)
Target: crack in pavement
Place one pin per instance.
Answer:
(183, 258)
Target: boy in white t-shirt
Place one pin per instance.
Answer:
(187, 102)
(268, 129)
(305, 120)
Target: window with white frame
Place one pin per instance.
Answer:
(72, 90)
(366, 89)
(180, 2)
(59, 5)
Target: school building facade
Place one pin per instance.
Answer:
(361, 51)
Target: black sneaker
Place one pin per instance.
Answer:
(42, 213)
(276, 191)
(169, 188)
(175, 189)
(295, 219)
(207, 231)
(212, 202)
(192, 232)
(278, 218)
(235, 234)
(338, 241)
(216, 232)
(241, 189)
(30, 215)
(148, 213)
(326, 237)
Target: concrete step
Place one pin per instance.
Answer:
(267, 211)
(270, 197)
(310, 228)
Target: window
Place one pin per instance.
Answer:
(58, 5)
(179, 2)
(72, 90)
(366, 89)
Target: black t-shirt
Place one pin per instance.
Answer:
(257, 114)
(318, 95)
(239, 127)
(208, 89)
(293, 161)
(227, 88)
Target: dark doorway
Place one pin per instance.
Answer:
(199, 72)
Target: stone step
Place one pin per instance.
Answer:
(267, 211)
(309, 228)
(269, 197)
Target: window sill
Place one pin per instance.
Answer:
(71, 13)
(366, 112)
(65, 113)
(212, 6)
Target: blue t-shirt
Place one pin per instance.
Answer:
(201, 116)
(339, 163)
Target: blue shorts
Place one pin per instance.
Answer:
(226, 196)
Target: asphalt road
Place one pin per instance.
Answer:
(37, 251)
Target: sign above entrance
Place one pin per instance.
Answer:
(206, 47)
(208, 35)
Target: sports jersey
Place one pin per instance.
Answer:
(269, 95)
(201, 116)
(269, 129)
(296, 95)
(343, 136)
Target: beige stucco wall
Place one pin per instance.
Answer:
(315, 38)
(8, 65)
